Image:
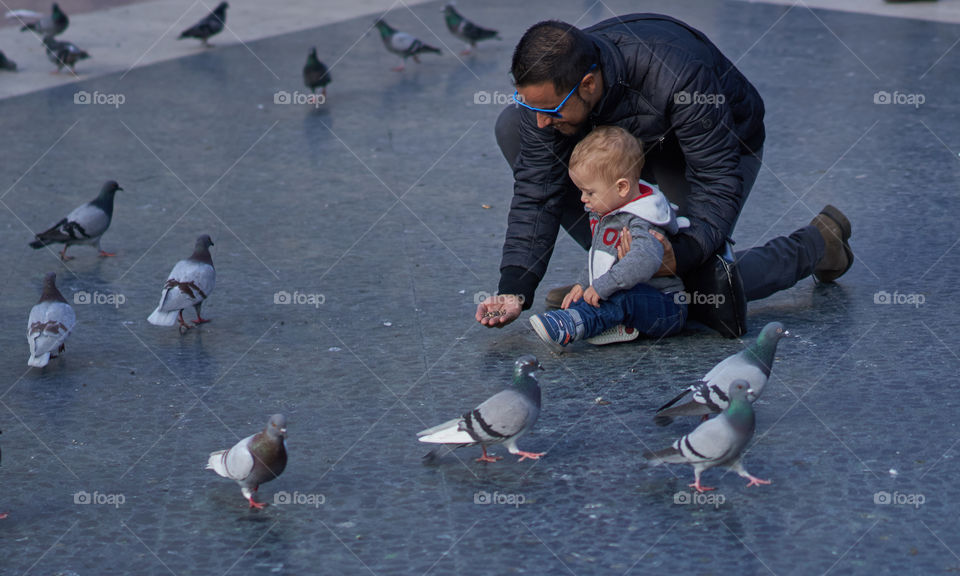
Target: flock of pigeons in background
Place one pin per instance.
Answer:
(728, 390)
(315, 73)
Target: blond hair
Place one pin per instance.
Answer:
(609, 152)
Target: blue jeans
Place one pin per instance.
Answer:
(648, 310)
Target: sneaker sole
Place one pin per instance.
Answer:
(542, 333)
(614, 337)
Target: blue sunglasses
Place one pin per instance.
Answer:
(552, 112)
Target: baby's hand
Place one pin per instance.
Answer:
(572, 296)
(591, 297)
(623, 246)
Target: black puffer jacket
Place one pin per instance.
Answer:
(662, 82)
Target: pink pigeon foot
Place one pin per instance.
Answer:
(104, 254)
(756, 481)
(255, 504)
(486, 458)
(531, 455)
(700, 488)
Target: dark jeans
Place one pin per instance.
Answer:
(775, 266)
(643, 307)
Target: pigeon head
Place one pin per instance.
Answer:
(204, 242)
(772, 333)
(50, 292)
(277, 426)
(110, 187)
(385, 30)
(526, 366)
(221, 8)
(312, 57)
(739, 390)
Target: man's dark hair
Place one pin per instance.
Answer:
(553, 51)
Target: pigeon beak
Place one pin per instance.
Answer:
(540, 366)
(283, 431)
(119, 188)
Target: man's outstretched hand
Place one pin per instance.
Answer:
(499, 310)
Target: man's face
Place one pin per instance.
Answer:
(574, 112)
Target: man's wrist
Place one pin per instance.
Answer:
(519, 282)
(686, 253)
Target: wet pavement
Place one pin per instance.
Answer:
(381, 214)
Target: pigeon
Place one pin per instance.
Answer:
(52, 25)
(211, 25)
(402, 44)
(503, 418)
(50, 322)
(63, 54)
(6, 63)
(315, 73)
(710, 394)
(465, 29)
(85, 225)
(189, 284)
(255, 459)
(716, 442)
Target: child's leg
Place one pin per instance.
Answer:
(650, 311)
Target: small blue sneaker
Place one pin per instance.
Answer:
(556, 327)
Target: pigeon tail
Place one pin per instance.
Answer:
(39, 361)
(450, 435)
(160, 318)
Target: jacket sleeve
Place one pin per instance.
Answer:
(703, 125)
(540, 180)
(638, 265)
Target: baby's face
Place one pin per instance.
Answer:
(597, 194)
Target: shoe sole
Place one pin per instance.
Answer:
(614, 337)
(542, 333)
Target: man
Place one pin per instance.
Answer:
(701, 125)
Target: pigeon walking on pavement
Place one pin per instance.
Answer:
(52, 25)
(711, 394)
(211, 25)
(63, 54)
(6, 63)
(502, 419)
(315, 73)
(50, 322)
(466, 30)
(402, 44)
(190, 283)
(84, 225)
(255, 459)
(717, 442)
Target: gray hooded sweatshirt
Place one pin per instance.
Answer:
(650, 210)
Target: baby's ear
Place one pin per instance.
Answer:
(623, 187)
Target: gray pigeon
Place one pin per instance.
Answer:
(51, 25)
(716, 442)
(211, 25)
(190, 283)
(255, 459)
(465, 29)
(85, 225)
(402, 44)
(63, 53)
(503, 418)
(50, 322)
(315, 73)
(710, 394)
(6, 63)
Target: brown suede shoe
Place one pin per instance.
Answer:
(555, 297)
(838, 257)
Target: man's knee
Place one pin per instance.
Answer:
(507, 132)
